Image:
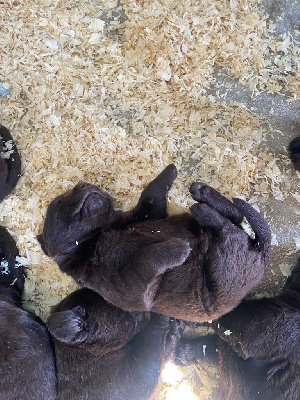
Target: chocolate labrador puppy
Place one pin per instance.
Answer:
(27, 366)
(103, 352)
(194, 267)
(10, 167)
(258, 347)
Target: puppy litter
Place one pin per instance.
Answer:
(111, 92)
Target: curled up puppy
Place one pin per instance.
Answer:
(27, 366)
(257, 347)
(105, 353)
(194, 266)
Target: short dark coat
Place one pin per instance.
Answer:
(194, 267)
(27, 366)
(258, 347)
(105, 353)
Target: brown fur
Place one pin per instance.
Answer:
(194, 267)
(27, 367)
(103, 352)
(259, 357)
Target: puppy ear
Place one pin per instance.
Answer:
(69, 326)
(40, 238)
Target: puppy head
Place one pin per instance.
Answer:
(74, 217)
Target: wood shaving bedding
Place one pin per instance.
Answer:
(112, 92)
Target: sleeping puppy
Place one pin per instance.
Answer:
(27, 366)
(103, 352)
(258, 347)
(294, 152)
(194, 267)
(10, 166)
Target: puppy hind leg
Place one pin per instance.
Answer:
(208, 218)
(203, 193)
(152, 203)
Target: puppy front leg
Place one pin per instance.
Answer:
(134, 288)
(142, 276)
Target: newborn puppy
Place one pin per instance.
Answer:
(258, 347)
(294, 152)
(193, 267)
(10, 168)
(103, 352)
(27, 367)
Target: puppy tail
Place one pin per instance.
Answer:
(259, 226)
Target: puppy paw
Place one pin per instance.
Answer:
(203, 193)
(69, 326)
(152, 203)
(199, 191)
(176, 252)
(167, 176)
